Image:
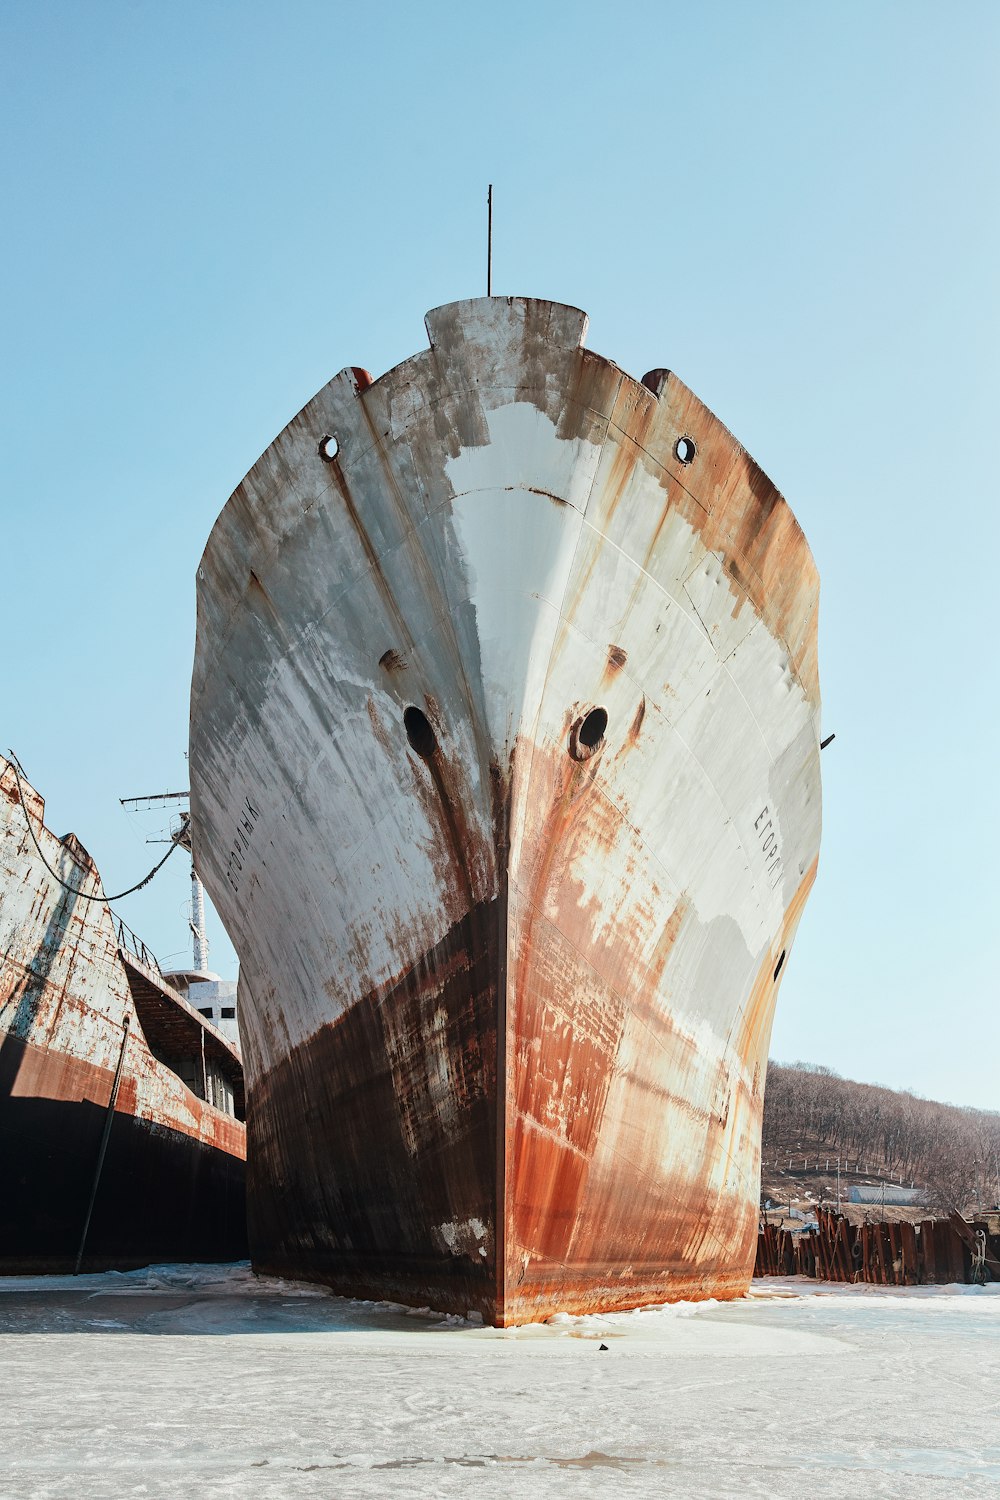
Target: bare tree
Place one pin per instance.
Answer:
(953, 1153)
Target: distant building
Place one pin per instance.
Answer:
(898, 1196)
(213, 997)
(216, 999)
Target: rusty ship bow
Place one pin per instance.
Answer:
(505, 781)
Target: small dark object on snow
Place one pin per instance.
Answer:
(602, 1346)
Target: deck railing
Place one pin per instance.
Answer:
(130, 942)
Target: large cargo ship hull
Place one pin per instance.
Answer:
(505, 776)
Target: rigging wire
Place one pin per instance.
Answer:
(75, 890)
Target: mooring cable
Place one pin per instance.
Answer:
(75, 890)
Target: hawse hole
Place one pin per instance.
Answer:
(419, 732)
(587, 736)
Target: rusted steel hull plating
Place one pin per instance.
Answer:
(505, 780)
(171, 1182)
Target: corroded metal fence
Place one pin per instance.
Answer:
(934, 1251)
(129, 942)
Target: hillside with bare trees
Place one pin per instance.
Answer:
(813, 1117)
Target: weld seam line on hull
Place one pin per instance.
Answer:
(709, 512)
(701, 622)
(626, 437)
(505, 489)
(739, 453)
(684, 605)
(724, 664)
(458, 393)
(722, 509)
(660, 588)
(657, 1042)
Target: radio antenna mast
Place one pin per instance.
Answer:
(198, 929)
(489, 241)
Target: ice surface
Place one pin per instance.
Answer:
(207, 1381)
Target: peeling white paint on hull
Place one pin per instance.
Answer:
(505, 781)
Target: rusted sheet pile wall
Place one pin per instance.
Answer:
(172, 1184)
(505, 781)
(903, 1254)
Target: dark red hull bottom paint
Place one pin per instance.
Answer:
(163, 1195)
(350, 1172)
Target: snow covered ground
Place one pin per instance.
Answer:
(207, 1382)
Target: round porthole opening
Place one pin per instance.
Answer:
(328, 449)
(419, 732)
(685, 449)
(587, 735)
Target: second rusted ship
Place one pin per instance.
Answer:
(122, 1140)
(505, 782)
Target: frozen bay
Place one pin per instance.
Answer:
(180, 1380)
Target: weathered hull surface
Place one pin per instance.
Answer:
(172, 1182)
(505, 781)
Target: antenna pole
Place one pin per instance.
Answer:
(183, 836)
(198, 920)
(489, 241)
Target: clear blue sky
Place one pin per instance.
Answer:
(211, 208)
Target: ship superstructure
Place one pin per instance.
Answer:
(505, 782)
